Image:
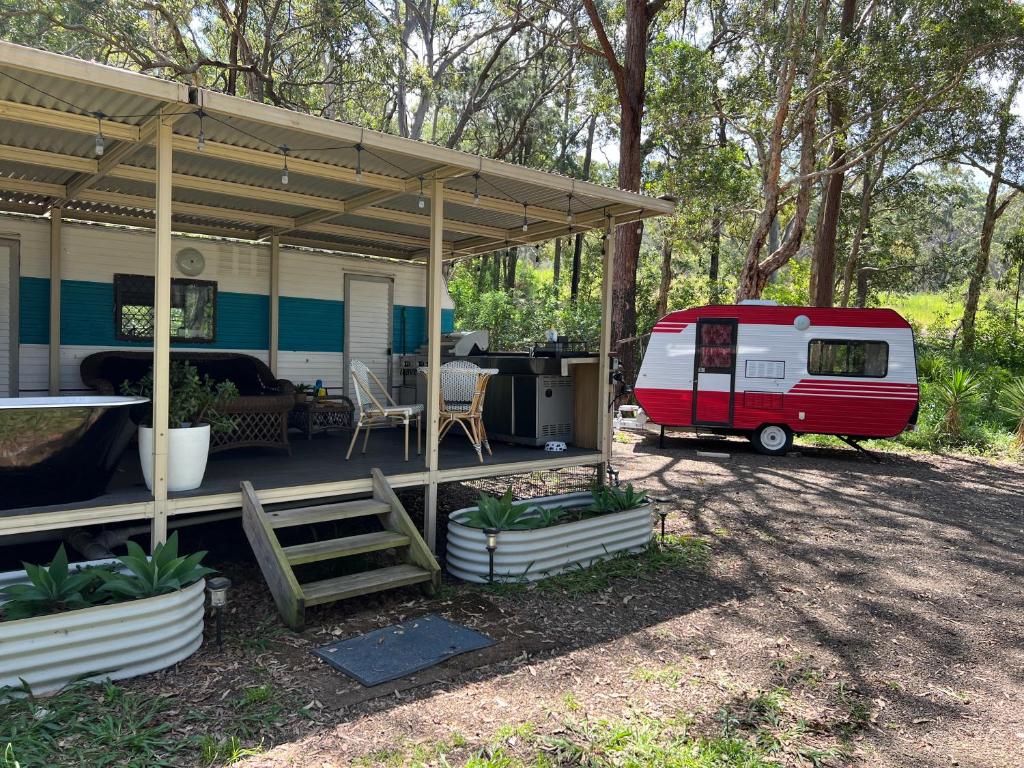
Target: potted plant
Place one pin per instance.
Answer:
(195, 408)
(301, 392)
(108, 619)
(540, 537)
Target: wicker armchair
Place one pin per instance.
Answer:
(260, 412)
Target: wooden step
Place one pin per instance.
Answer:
(343, 547)
(342, 587)
(284, 518)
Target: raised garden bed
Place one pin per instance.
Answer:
(102, 642)
(536, 553)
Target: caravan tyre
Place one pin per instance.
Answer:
(772, 439)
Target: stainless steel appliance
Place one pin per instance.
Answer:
(529, 408)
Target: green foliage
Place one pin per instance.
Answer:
(610, 498)
(1013, 405)
(50, 589)
(193, 400)
(957, 391)
(500, 514)
(164, 572)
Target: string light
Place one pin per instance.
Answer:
(284, 169)
(526, 224)
(640, 223)
(569, 218)
(100, 141)
(359, 162)
(476, 189)
(421, 201)
(201, 141)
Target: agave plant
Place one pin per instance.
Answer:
(50, 590)
(1012, 404)
(609, 498)
(956, 392)
(162, 573)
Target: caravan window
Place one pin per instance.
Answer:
(842, 357)
(193, 309)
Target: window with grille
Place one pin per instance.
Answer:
(193, 309)
(839, 357)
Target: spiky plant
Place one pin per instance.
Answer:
(1012, 404)
(957, 391)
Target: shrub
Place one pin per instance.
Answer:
(194, 400)
(52, 589)
(1012, 404)
(956, 392)
(164, 572)
(609, 498)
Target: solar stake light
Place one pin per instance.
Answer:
(662, 513)
(217, 589)
(492, 544)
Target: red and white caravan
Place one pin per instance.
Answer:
(770, 372)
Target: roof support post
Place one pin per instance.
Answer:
(161, 331)
(56, 248)
(275, 295)
(433, 356)
(604, 441)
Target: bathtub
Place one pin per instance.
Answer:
(60, 449)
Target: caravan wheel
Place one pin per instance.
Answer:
(772, 439)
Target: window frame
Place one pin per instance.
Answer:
(848, 342)
(119, 333)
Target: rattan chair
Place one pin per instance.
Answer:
(372, 412)
(463, 389)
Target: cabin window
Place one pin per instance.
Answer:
(193, 309)
(843, 357)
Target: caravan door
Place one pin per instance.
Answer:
(714, 376)
(368, 301)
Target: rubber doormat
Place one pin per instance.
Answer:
(401, 649)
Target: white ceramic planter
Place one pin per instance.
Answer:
(188, 449)
(104, 642)
(536, 554)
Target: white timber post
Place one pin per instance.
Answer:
(161, 330)
(275, 293)
(604, 441)
(433, 358)
(56, 250)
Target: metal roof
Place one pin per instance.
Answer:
(349, 189)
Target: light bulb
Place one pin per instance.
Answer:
(284, 175)
(99, 144)
(476, 189)
(420, 202)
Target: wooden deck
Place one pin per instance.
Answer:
(316, 469)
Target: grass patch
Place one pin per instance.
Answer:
(676, 553)
(670, 675)
(88, 725)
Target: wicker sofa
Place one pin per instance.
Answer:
(260, 411)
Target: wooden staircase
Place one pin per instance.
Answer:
(416, 564)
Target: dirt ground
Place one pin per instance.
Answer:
(884, 600)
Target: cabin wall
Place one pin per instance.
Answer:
(311, 304)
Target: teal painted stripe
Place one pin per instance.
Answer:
(34, 310)
(311, 325)
(409, 327)
(87, 316)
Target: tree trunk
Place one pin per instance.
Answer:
(557, 263)
(715, 249)
(825, 239)
(863, 224)
(993, 209)
(577, 251)
(511, 262)
(661, 308)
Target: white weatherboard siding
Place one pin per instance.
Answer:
(6, 321)
(368, 324)
(307, 367)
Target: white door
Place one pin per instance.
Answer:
(368, 326)
(8, 321)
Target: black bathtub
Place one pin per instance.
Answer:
(59, 449)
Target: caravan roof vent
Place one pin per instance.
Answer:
(761, 302)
